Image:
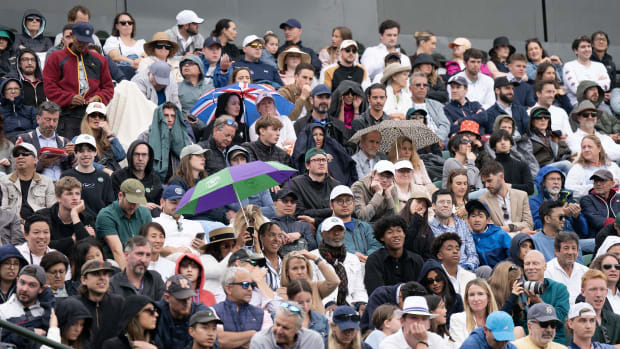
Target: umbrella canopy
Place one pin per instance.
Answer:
(205, 106)
(390, 130)
(233, 184)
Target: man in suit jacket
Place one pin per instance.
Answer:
(510, 208)
(45, 136)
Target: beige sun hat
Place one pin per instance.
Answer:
(305, 58)
(149, 47)
(393, 69)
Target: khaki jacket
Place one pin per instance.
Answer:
(40, 194)
(519, 209)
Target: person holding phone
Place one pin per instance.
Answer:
(374, 195)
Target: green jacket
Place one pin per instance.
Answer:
(611, 322)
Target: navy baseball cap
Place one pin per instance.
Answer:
(212, 40)
(346, 318)
(291, 22)
(83, 32)
(477, 205)
(321, 89)
(172, 192)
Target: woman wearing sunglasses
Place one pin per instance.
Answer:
(121, 45)
(463, 157)
(609, 264)
(345, 330)
(436, 281)
(161, 48)
(137, 325)
(547, 146)
(33, 26)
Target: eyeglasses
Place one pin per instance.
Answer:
(465, 141)
(33, 19)
(347, 201)
(13, 89)
(163, 46)
(431, 280)
(11, 265)
(547, 324)
(151, 311)
(319, 160)
(505, 211)
(421, 85)
(245, 284)
(256, 45)
(27, 59)
(292, 308)
(591, 114)
(347, 317)
(96, 116)
(187, 62)
(125, 22)
(141, 155)
(350, 49)
(513, 268)
(609, 266)
(22, 153)
(600, 39)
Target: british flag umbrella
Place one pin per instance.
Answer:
(204, 109)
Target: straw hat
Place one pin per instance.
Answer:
(217, 235)
(305, 58)
(149, 47)
(393, 69)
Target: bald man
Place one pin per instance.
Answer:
(555, 293)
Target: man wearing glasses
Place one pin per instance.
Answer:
(241, 319)
(436, 120)
(586, 115)
(542, 323)
(552, 217)
(33, 26)
(346, 69)
(261, 72)
(287, 331)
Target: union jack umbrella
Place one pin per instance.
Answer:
(205, 106)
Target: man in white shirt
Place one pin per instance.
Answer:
(181, 234)
(373, 56)
(545, 94)
(415, 321)
(583, 68)
(479, 86)
(564, 267)
(447, 249)
(38, 234)
(586, 115)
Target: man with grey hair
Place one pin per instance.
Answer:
(287, 331)
(542, 323)
(218, 143)
(136, 278)
(435, 119)
(241, 319)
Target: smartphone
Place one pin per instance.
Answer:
(200, 236)
(250, 242)
(191, 118)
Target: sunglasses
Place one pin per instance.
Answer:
(33, 18)
(96, 116)
(22, 153)
(609, 266)
(421, 85)
(547, 324)
(245, 284)
(292, 308)
(591, 114)
(162, 46)
(542, 117)
(151, 311)
(350, 49)
(256, 45)
(465, 141)
(505, 211)
(347, 317)
(125, 22)
(431, 280)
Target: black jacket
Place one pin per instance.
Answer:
(260, 151)
(365, 120)
(61, 233)
(384, 270)
(419, 236)
(105, 314)
(519, 114)
(608, 230)
(609, 64)
(453, 301)
(335, 128)
(289, 224)
(516, 173)
(153, 285)
(152, 183)
(133, 305)
(7, 56)
(524, 95)
(39, 43)
(33, 92)
(515, 248)
(381, 295)
(69, 311)
(215, 160)
(312, 196)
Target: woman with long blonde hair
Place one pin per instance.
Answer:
(296, 265)
(344, 330)
(252, 217)
(404, 149)
(479, 303)
(506, 284)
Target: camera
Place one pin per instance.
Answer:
(534, 287)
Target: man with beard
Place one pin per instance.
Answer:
(346, 69)
(445, 221)
(376, 97)
(586, 115)
(510, 208)
(29, 307)
(320, 99)
(186, 34)
(136, 278)
(391, 264)
(176, 309)
(29, 71)
(287, 330)
(552, 217)
(564, 267)
(504, 92)
(346, 265)
(581, 325)
(103, 306)
(542, 323)
(594, 290)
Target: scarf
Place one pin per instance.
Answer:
(335, 256)
(164, 141)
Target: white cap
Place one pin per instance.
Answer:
(29, 147)
(416, 305)
(331, 222)
(581, 309)
(188, 16)
(85, 139)
(384, 166)
(251, 38)
(96, 107)
(403, 164)
(347, 43)
(340, 190)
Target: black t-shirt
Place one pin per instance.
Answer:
(97, 191)
(25, 211)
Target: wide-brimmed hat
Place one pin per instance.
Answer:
(305, 58)
(581, 107)
(219, 234)
(424, 58)
(501, 41)
(393, 69)
(149, 47)
(421, 195)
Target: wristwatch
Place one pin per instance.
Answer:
(512, 227)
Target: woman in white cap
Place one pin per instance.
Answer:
(404, 149)
(288, 61)
(398, 101)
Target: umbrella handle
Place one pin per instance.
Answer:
(241, 208)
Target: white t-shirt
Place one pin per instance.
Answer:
(397, 341)
(164, 267)
(575, 72)
(114, 42)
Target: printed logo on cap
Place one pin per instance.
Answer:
(178, 191)
(549, 309)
